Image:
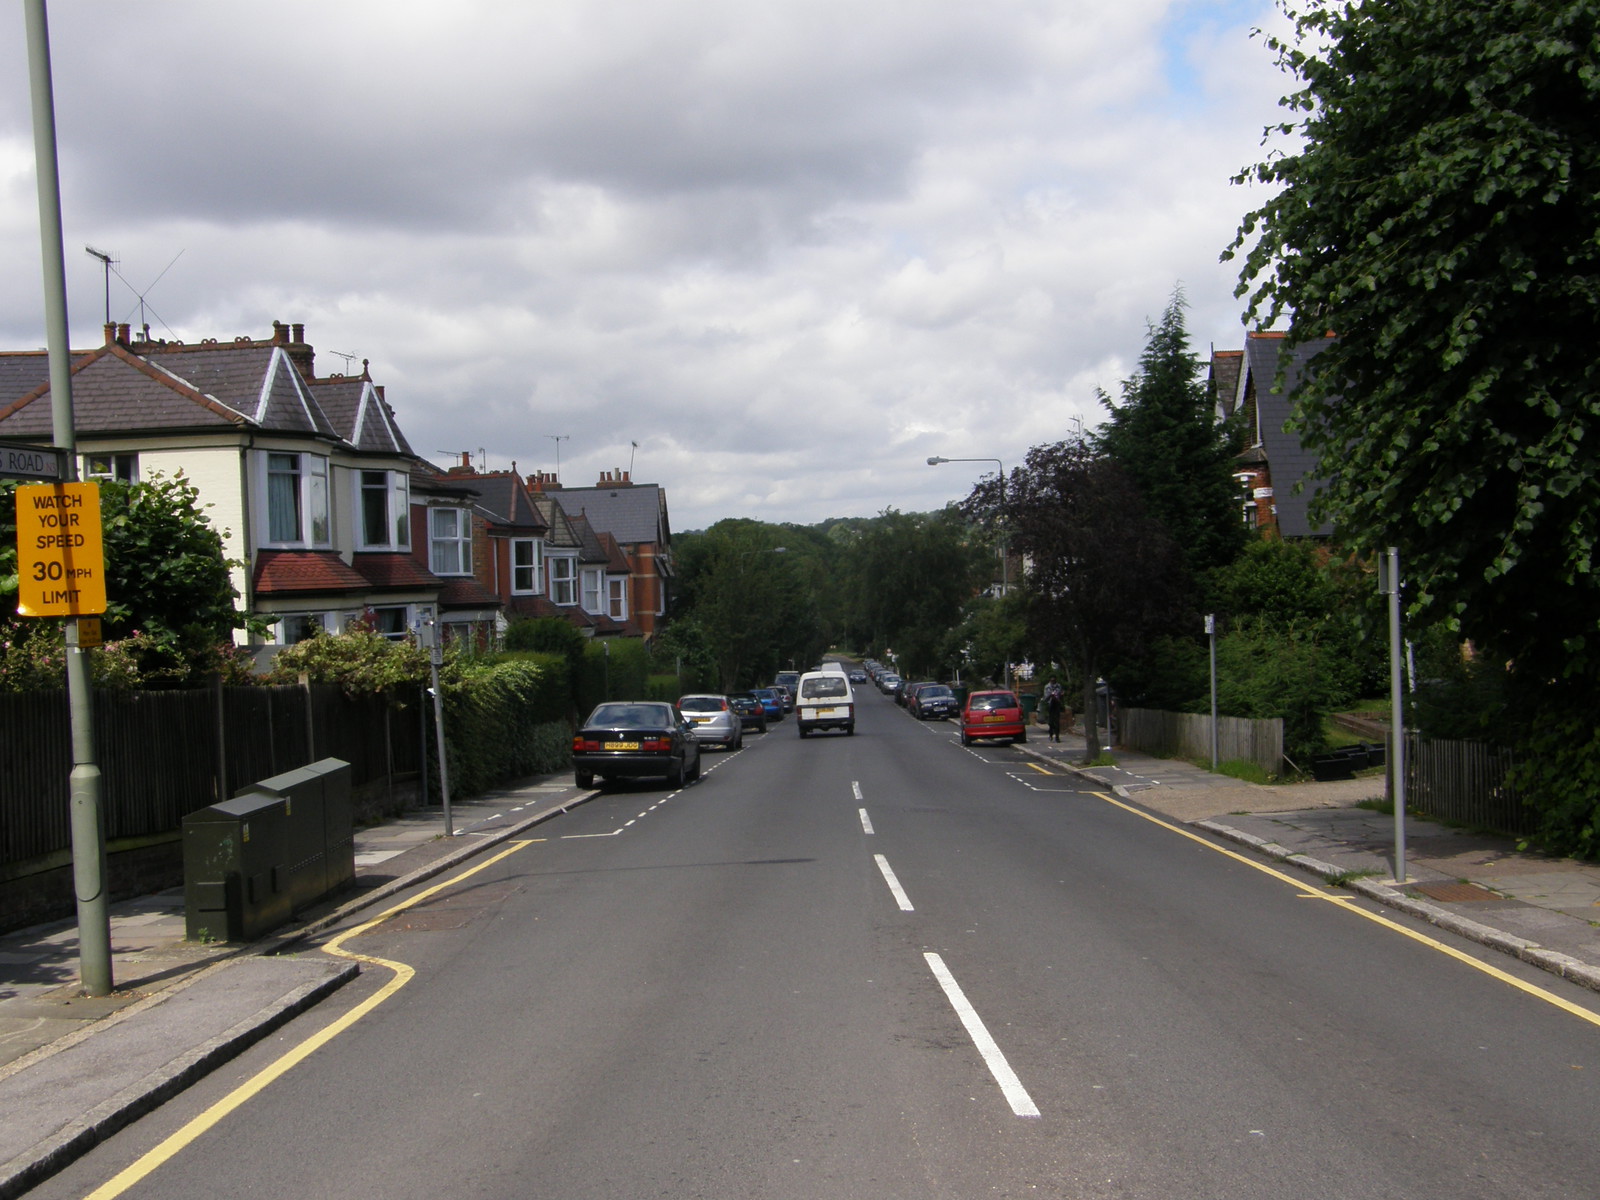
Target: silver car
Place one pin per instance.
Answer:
(714, 719)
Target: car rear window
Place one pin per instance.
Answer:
(933, 691)
(702, 704)
(824, 687)
(993, 701)
(631, 716)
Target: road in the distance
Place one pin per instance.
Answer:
(751, 989)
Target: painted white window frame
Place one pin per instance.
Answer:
(617, 597)
(111, 468)
(450, 551)
(563, 573)
(526, 576)
(311, 499)
(592, 587)
(392, 489)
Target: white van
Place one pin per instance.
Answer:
(824, 701)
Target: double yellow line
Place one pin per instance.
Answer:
(403, 974)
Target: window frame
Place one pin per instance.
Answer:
(527, 578)
(460, 540)
(562, 572)
(309, 493)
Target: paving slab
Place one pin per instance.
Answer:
(74, 1095)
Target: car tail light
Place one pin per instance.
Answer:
(656, 744)
(584, 746)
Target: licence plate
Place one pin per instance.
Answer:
(622, 745)
(701, 720)
(994, 717)
(833, 712)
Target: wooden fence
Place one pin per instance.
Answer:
(163, 755)
(1188, 735)
(1464, 782)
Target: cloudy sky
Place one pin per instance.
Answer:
(790, 248)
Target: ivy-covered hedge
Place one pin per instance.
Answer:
(504, 720)
(613, 669)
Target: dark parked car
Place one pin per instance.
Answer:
(932, 701)
(993, 714)
(635, 739)
(751, 714)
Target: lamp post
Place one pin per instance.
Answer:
(1005, 553)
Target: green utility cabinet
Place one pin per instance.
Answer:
(279, 846)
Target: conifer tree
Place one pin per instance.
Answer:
(1165, 434)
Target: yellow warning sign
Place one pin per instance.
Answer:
(61, 561)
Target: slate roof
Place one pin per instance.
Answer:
(1289, 461)
(359, 414)
(123, 389)
(616, 561)
(560, 531)
(633, 513)
(504, 499)
(1226, 367)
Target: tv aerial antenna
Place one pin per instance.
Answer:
(558, 438)
(107, 262)
(111, 265)
(349, 359)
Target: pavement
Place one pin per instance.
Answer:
(73, 1070)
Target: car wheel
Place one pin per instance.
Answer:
(1022, 737)
(849, 731)
(584, 779)
(694, 773)
(965, 740)
(804, 732)
(678, 776)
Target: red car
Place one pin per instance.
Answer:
(993, 715)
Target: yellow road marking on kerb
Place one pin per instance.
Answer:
(1040, 769)
(1345, 905)
(165, 1150)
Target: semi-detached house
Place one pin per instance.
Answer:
(307, 479)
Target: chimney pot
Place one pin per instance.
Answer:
(280, 333)
(122, 334)
(299, 333)
(111, 332)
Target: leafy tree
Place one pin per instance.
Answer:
(1439, 215)
(740, 587)
(170, 602)
(910, 576)
(1165, 434)
(1102, 574)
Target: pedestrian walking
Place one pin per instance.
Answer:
(1053, 703)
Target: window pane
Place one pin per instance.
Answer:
(375, 508)
(283, 497)
(317, 499)
(400, 508)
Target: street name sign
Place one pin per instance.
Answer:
(20, 461)
(61, 564)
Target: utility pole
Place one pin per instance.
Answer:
(88, 820)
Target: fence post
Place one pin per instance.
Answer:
(219, 713)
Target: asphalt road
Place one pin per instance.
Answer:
(888, 966)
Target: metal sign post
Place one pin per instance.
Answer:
(428, 637)
(1389, 585)
(1211, 632)
(88, 820)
